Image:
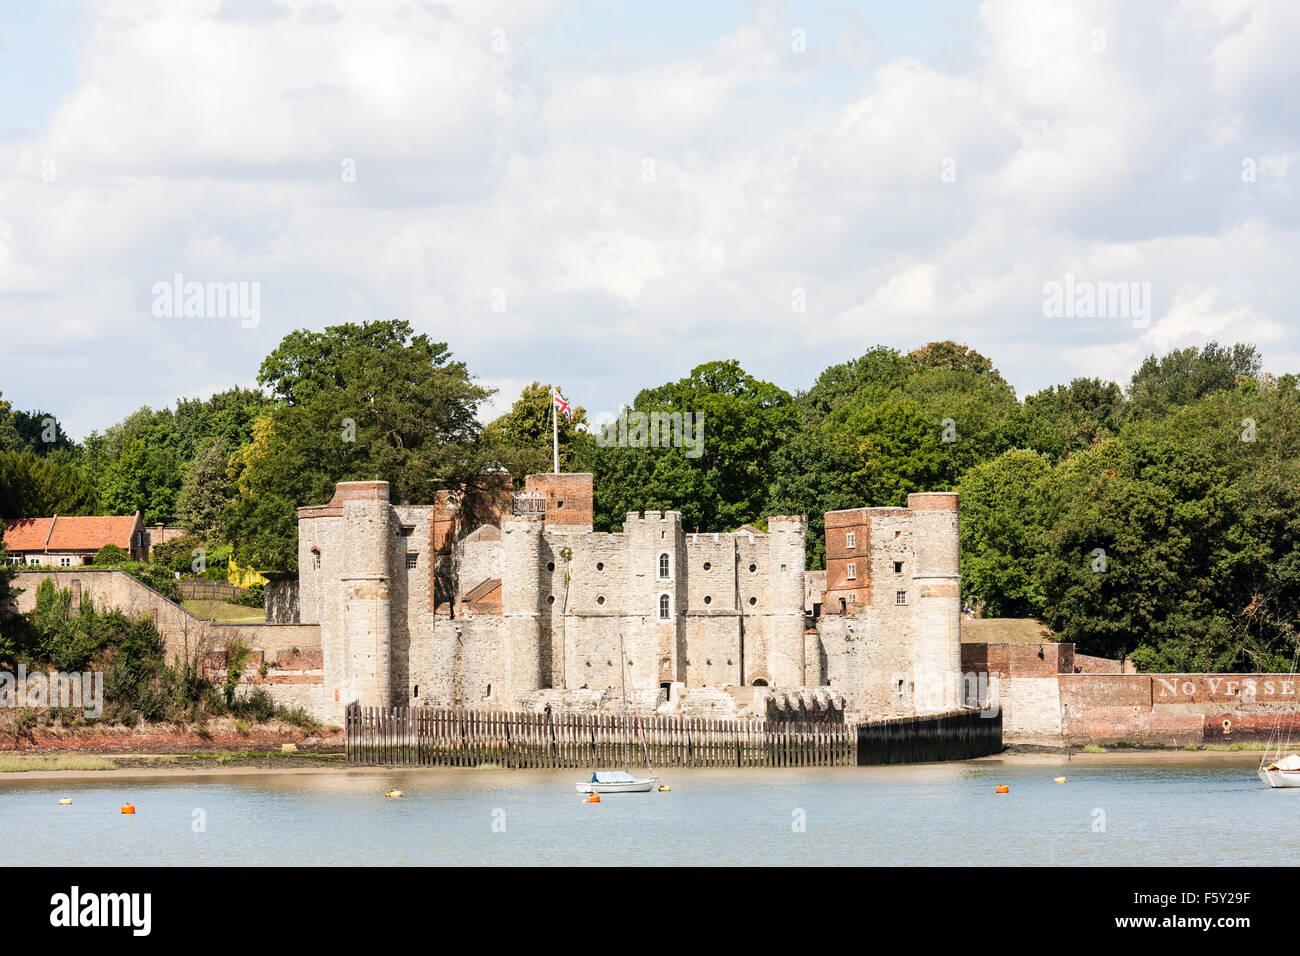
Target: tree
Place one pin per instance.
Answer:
(41, 432)
(355, 402)
(717, 471)
(1001, 527)
(36, 486)
(1060, 420)
(206, 493)
(522, 438)
(1161, 385)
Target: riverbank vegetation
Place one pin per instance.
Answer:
(139, 683)
(1157, 518)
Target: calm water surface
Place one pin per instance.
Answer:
(1167, 814)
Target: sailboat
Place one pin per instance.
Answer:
(1275, 770)
(620, 781)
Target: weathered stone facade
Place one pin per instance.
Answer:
(425, 605)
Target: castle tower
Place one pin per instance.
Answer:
(787, 549)
(936, 654)
(522, 596)
(657, 570)
(366, 619)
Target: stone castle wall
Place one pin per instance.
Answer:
(696, 610)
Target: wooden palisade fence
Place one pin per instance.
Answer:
(473, 738)
(958, 735)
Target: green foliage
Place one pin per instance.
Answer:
(522, 439)
(745, 422)
(36, 485)
(355, 402)
(1163, 384)
(111, 556)
(1000, 534)
(236, 659)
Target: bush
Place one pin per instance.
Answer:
(111, 556)
(254, 596)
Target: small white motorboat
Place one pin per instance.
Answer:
(1281, 773)
(616, 781)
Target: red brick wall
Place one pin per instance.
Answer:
(568, 497)
(839, 555)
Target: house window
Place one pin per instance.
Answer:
(900, 597)
(663, 565)
(412, 559)
(853, 572)
(853, 597)
(898, 567)
(15, 559)
(850, 540)
(65, 562)
(664, 607)
(315, 559)
(33, 559)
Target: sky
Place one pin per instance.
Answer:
(604, 193)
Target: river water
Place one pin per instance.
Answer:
(1162, 813)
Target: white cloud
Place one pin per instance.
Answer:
(211, 139)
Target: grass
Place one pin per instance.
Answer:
(225, 611)
(22, 764)
(1236, 746)
(1093, 749)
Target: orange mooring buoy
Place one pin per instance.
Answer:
(1003, 788)
(128, 808)
(593, 798)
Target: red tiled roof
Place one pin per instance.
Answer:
(26, 534)
(88, 533)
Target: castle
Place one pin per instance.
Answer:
(521, 604)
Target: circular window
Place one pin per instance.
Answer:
(600, 565)
(753, 568)
(707, 599)
(550, 565)
(550, 599)
(707, 565)
(753, 601)
(601, 599)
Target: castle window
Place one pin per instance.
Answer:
(898, 567)
(850, 540)
(315, 559)
(707, 565)
(663, 565)
(600, 565)
(407, 530)
(550, 599)
(708, 599)
(753, 601)
(853, 597)
(559, 505)
(853, 572)
(900, 597)
(412, 559)
(601, 599)
(550, 565)
(753, 568)
(664, 607)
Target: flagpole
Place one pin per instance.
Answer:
(555, 429)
